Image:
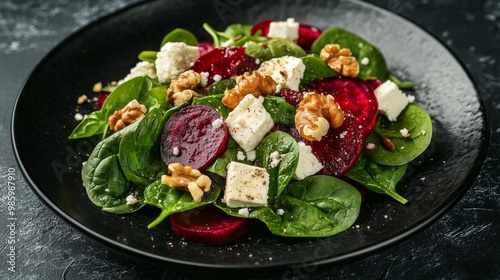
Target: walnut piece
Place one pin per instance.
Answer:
(131, 113)
(182, 90)
(188, 179)
(340, 60)
(254, 84)
(315, 114)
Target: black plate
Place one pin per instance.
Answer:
(105, 50)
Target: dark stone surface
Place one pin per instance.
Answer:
(463, 244)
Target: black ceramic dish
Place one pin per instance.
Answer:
(105, 50)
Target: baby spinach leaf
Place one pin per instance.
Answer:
(139, 159)
(221, 86)
(136, 88)
(280, 111)
(419, 125)
(378, 178)
(156, 97)
(276, 47)
(220, 165)
(234, 35)
(93, 124)
(171, 200)
(360, 49)
(317, 206)
(288, 150)
(315, 69)
(149, 56)
(103, 178)
(214, 101)
(180, 35)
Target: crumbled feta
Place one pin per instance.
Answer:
(78, 117)
(365, 61)
(280, 212)
(370, 146)
(173, 59)
(176, 151)
(217, 123)
(217, 78)
(308, 163)
(288, 29)
(404, 132)
(204, 78)
(249, 122)
(275, 159)
(391, 100)
(286, 71)
(240, 155)
(251, 155)
(142, 68)
(131, 200)
(246, 185)
(244, 212)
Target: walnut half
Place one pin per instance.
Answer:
(254, 84)
(188, 179)
(131, 113)
(340, 60)
(315, 114)
(182, 90)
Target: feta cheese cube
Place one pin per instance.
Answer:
(173, 59)
(249, 122)
(142, 68)
(308, 163)
(288, 29)
(286, 71)
(246, 185)
(391, 100)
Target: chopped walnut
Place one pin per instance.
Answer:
(131, 113)
(188, 179)
(340, 60)
(315, 114)
(254, 84)
(182, 89)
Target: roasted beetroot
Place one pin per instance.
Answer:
(225, 62)
(307, 33)
(208, 225)
(194, 136)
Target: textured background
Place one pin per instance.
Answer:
(463, 244)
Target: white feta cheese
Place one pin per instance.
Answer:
(246, 185)
(131, 200)
(288, 29)
(308, 163)
(143, 68)
(173, 59)
(249, 122)
(251, 155)
(240, 155)
(244, 212)
(217, 123)
(78, 117)
(287, 71)
(280, 212)
(391, 100)
(365, 61)
(176, 151)
(204, 78)
(275, 159)
(404, 132)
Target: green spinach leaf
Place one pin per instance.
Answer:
(378, 178)
(315, 69)
(214, 101)
(221, 86)
(273, 48)
(280, 111)
(376, 68)
(419, 126)
(288, 150)
(317, 206)
(180, 35)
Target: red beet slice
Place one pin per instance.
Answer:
(209, 225)
(225, 62)
(291, 96)
(352, 94)
(189, 137)
(307, 33)
(101, 99)
(339, 149)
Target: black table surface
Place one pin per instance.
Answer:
(463, 244)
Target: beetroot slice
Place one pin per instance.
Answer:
(291, 96)
(225, 62)
(208, 225)
(339, 149)
(205, 47)
(352, 94)
(191, 131)
(307, 33)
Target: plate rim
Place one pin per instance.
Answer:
(136, 253)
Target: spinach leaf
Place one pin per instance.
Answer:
(234, 35)
(280, 111)
(103, 177)
(360, 49)
(220, 165)
(149, 56)
(315, 69)
(378, 178)
(139, 159)
(419, 125)
(180, 35)
(214, 101)
(276, 47)
(156, 97)
(281, 174)
(317, 206)
(171, 200)
(136, 88)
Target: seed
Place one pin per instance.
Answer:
(388, 143)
